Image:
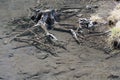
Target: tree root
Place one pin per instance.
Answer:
(39, 45)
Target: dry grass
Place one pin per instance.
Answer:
(115, 34)
(115, 14)
(97, 18)
(115, 31)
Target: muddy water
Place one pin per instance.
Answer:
(79, 63)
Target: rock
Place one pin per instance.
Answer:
(78, 75)
(112, 76)
(5, 42)
(13, 28)
(52, 65)
(10, 55)
(42, 55)
(95, 6)
(72, 67)
(60, 62)
(91, 6)
(88, 7)
(79, 15)
(61, 70)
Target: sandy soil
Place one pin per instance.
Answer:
(82, 62)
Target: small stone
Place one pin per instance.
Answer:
(13, 28)
(47, 71)
(88, 7)
(79, 15)
(58, 62)
(5, 42)
(42, 55)
(78, 75)
(7, 33)
(72, 68)
(95, 6)
(10, 55)
(61, 70)
(113, 76)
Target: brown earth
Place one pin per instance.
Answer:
(86, 61)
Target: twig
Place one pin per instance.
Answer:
(21, 46)
(113, 55)
(27, 30)
(75, 36)
(98, 34)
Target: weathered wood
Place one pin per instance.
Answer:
(99, 33)
(66, 8)
(38, 45)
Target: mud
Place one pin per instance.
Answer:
(81, 62)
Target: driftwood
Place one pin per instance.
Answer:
(99, 33)
(38, 44)
(70, 31)
(43, 26)
(69, 8)
(47, 42)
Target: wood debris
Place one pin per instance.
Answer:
(40, 22)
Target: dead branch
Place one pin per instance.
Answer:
(74, 35)
(25, 32)
(71, 31)
(112, 55)
(47, 42)
(21, 46)
(99, 33)
(38, 45)
(66, 8)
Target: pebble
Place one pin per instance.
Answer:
(10, 55)
(5, 42)
(72, 68)
(42, 55)
(78, 75)
(79, 15)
